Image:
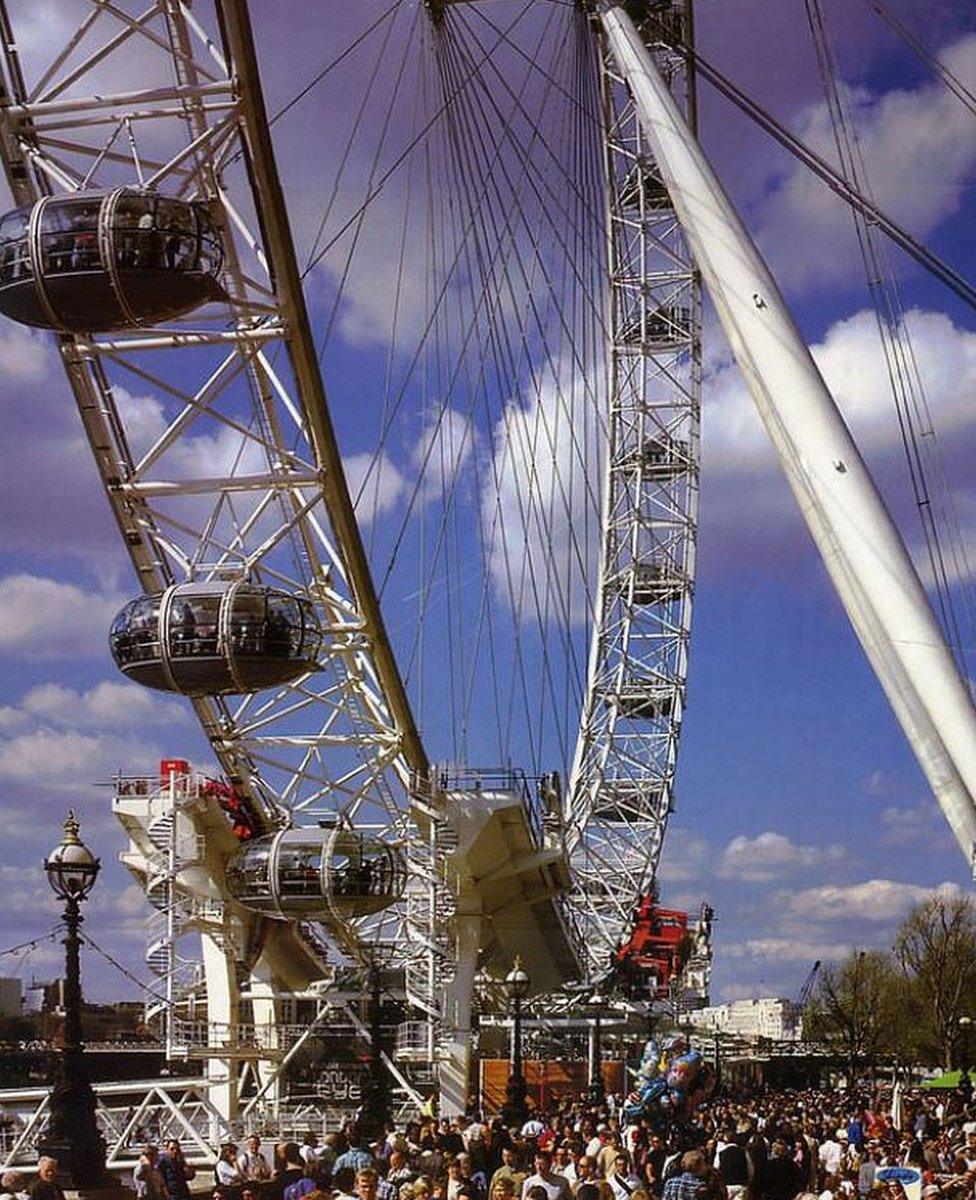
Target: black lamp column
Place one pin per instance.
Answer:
(515, 1110)
(72, 1135)
(375, 1111)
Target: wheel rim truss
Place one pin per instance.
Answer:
(621, 789)
(232, 480)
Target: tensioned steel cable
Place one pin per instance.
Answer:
(393, 408)
(949, 78)
(432, 332)
(568, 334)
(455, 523)
(917, 431)
(541, 518)
(466, 168)
(820, 167)
(400, 159)
(359, 225)
(552, 434)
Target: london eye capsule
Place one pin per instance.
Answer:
(314, 874)
(94, 261)
(206, 639)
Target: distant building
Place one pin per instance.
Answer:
(11, 998)
(52, 996)
(768, 1017)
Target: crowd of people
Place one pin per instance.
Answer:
(767, 1145)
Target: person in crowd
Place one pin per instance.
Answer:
(147, 1179)
(13, 1186)
(315, 1179)
(555, 1186)
(473, 1181)
(46, 1186)
(176, 1171)
(399, 1170)
(781, 1176)
(585, 1173)
(609, 1152)
(509, 1170)
(252, 1163)
(310, 1149)
(687, 1185)
(367, 1183)
(564, 1164)
(830, 1154)
(289, 1169)
(344, 1183)
(227, 1173)
(623, 1183)
(733, 1163)
(354, 1156)
(503, 1188)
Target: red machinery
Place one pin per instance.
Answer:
(236, 807)
(655, 953)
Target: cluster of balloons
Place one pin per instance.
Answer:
(671, 1082)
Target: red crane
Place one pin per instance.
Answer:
(655, 953)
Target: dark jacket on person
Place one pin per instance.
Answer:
(780, 1179)
(733, 1164)
(46, 1191)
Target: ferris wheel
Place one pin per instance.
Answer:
(370, 581)
(554, 364)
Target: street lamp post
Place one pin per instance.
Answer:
(515, 1111)
(597, 1092)
(965, 1029)
(375, 1111)
(72, 1135)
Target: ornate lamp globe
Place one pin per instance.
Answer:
(517, 981)
(71, 867)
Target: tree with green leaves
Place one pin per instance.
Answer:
(857, 1011)
(936, 947)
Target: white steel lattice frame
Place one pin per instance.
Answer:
(621, 790)
(242, 474)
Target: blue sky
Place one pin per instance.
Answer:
(800, 811)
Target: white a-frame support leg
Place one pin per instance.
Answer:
(859, 542)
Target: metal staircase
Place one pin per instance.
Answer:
(430, 910)
(165, 847)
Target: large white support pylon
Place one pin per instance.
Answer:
(854, 532)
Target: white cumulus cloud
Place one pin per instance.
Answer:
(375, 484)
(108, 705)
(772, 856)
(44, 618)
(918, 825)
(68, 760)
(443, 450)
(787, 949)
(747, 508)
(874, 900)
(919, 146)
(540, 500)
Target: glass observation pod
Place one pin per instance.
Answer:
(205, 639)
(317, 874)
(96, 261)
